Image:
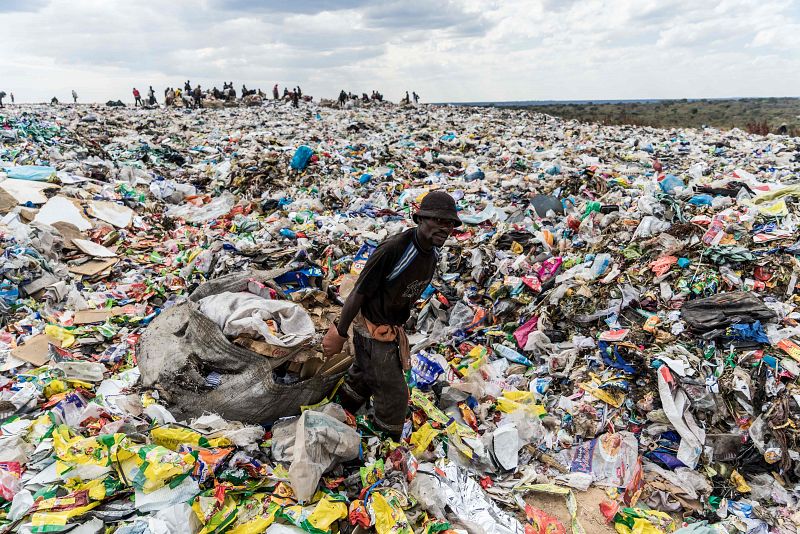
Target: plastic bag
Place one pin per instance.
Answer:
(611, 459)
(320, 442)
(301, 157)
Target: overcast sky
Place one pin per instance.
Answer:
(446, 50)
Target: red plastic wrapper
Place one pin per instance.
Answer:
(358, 514)
(468, 415)
(540, 522)
(609, 509)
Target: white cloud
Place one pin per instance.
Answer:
(447, 50)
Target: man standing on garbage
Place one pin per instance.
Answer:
(392, 280)
(137, 98)
(74, 97)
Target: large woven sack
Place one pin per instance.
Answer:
(182, 347)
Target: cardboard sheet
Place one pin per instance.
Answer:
(93, 249)
(36, 350)
(93, 267)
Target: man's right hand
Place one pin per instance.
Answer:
(332, 343)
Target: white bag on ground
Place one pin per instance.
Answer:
(321, 441)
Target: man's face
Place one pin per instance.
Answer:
(435, 229)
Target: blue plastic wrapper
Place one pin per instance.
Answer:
(361, 257)
(299, 279)
(612, 357)
(701, 200)
(749, 332)
(425, 371)
(9, 293)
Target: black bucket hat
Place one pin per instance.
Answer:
(437, 204)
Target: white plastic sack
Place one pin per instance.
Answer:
(321, 441)
(676, 407)
(245, 313)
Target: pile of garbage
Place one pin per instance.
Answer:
(618, 311)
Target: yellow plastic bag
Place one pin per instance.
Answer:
(54, 387)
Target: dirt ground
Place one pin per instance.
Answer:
(589, 514)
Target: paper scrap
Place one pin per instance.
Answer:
(62, 209)
(111, 212)
(25, 191)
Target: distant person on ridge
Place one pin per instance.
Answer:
(12, 97)
(416, 97)
(74, 97)
(151, 97)
(275, 93)
(198, 97)
(2, 96)
(137, 98)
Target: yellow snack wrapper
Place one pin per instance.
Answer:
(422, 438)
(100, 450)
(254, 515)
(172, 437)
(153, 466)
(388, 519)
(511, 401)
(62, 335)
(214, 515)
(326, 513)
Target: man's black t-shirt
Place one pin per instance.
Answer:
(394, 277)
